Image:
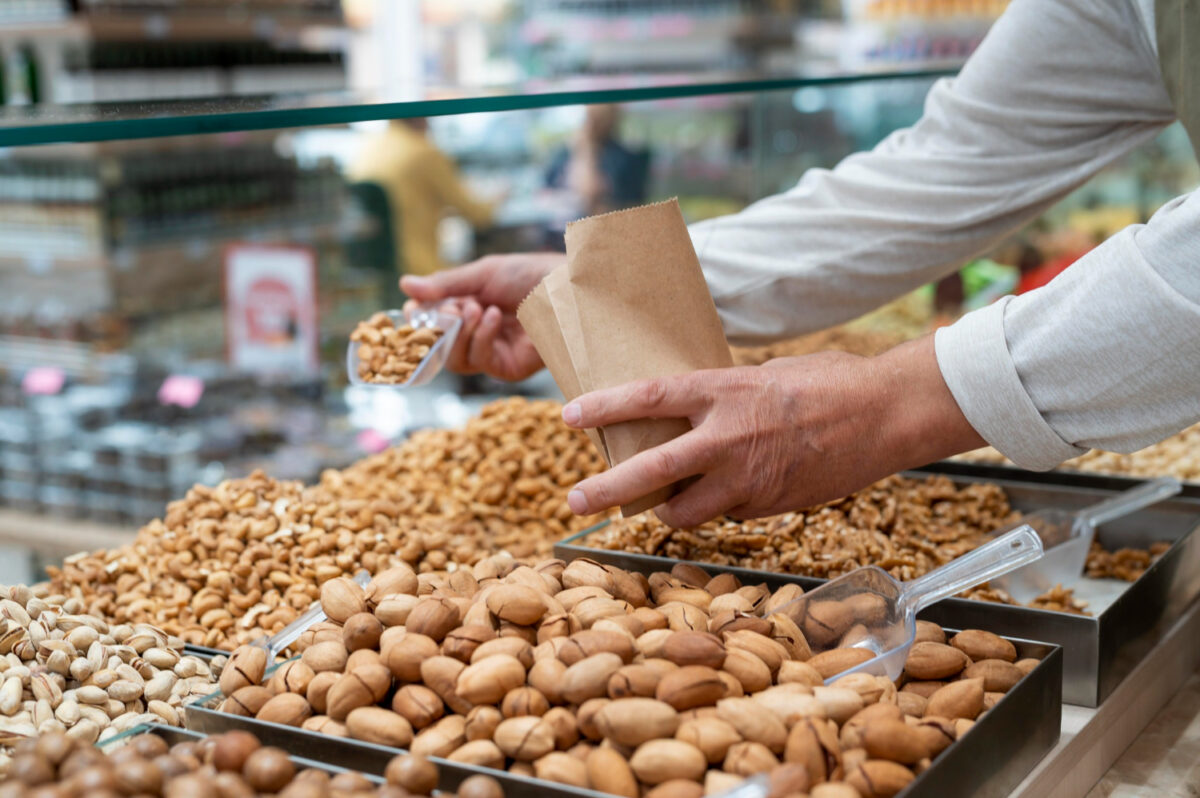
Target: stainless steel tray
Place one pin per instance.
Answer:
(1000, 750)
(1100, 650)
(1081, 479)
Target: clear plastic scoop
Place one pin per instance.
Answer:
(291, 633)
(1067, 537)
(431, 364)
(868, 609)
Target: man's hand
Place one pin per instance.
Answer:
(485, 294)
(791, 433)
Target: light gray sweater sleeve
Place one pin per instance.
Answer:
(1108, 354)
(1055, 92)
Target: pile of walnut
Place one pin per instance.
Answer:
(854, 340)
(588, 675)
(905, 526)
(64, 671)
(387, 354)
(228, 564)
(1177, 456)
(232, 764)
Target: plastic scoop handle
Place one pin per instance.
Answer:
(291, 633)
(1006, 553)
(1130, 501)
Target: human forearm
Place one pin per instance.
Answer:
(789, 434)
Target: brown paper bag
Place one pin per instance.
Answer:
(630, 303)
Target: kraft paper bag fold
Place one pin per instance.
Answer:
(630, 303)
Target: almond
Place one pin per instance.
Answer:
(286, 708)
(657, 761)
(824, 622)
(516, 603)
(483, 753)
(961, 699)
(341, 597)
(934, 661)
(330, 655)
(894, 740)
(772, 653)
(813, 743)
(417, 704)
(749, 670)
(799, 673)
(589, 677)
(433, 617)
(840, 703)
(694, 648)
(587, 573)
(380, 726)
(596, 641)
(608, 772)
(712, 736)
(929, 632)
(546, 676)
(691, 686)
(837, 660)
(979, 645)
(482, 723)
(525, 738)
(785, 632)
(561, 767)
(634, 681)
(754, 722)
(748, 758)
(878, 778)
(633, 721)
(244, 669)
(999, 676)
(485, 681)
(357, 688)
(850, 735)
(512, 646)
(399, 579)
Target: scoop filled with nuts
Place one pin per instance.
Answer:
(873, 617)
(401, 348)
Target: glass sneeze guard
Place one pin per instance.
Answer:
(51, 124)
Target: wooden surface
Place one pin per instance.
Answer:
(1094, 739)
(58, 537)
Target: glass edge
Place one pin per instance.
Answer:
(20, 134)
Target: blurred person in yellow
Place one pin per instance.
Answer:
(422, 183)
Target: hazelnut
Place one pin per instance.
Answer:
(139, 776)
(268, 769)
(232, 749)
(480, 787)
(413, 772)
(362, 630)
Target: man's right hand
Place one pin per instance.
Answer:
(485, 294)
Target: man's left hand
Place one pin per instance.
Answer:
(791, 433)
